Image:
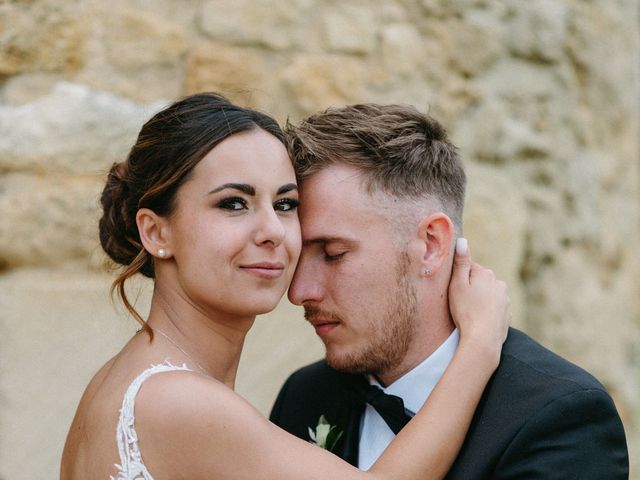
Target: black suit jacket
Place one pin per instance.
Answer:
(540, 417)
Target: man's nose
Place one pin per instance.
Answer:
(306, 286)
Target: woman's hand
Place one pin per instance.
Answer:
(479, 303)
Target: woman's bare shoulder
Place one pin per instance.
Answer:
(184, 392)
(185, 420)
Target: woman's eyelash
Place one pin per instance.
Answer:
(238, 203)
(286, 204)
(232, 203)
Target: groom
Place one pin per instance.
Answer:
(382, 197)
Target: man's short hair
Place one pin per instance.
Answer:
(399, 151)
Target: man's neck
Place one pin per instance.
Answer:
(420, 349)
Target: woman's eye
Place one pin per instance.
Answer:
(286, 205)
(234, 204)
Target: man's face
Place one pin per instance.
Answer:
(353, 275)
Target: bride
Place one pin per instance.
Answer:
(205, 204)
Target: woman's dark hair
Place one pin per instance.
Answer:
(168, 148)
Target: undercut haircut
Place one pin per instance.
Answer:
(399, 151)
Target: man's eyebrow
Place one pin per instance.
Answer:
(324, 240)
(287, 188)
(243, 187)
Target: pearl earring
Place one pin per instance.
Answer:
(162, 253)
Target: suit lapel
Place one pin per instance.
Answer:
(349, 445)
(351, 412)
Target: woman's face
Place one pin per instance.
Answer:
(234, 234)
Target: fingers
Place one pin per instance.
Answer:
(508, 318)
(478, 271)
(461, 262)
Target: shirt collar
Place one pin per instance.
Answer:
(415, 386)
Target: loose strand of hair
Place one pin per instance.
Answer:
(118, 286)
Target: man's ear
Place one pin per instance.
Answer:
(436, 232)
(154, 233)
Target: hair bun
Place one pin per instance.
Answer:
(118, 231)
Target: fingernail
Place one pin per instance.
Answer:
(462, 246)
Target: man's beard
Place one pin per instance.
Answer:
(390, 333)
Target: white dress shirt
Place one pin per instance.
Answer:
(414, 388)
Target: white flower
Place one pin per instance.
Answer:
(325, 435)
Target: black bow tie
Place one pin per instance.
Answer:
(389, 407)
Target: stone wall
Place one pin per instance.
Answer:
(542, 97)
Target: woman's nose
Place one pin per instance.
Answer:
(270, 230)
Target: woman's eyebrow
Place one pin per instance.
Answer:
(243, 187)
(287, 188)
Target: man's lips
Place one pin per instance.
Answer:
(264, 269)
(323, 326)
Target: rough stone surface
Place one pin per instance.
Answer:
(72, 129)
(541, 96)
(276, 25)
(136, 40)
(316, 82)
(538, 29)
(495, 221)
(45, 36)
(350, 27)
(468, 48)
(397, 58)
(232, 70)
(47, 220)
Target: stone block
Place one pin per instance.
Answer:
(606, 71)
(47, 220)
(403, 50)
(512, 79)
(449, 8)
(537, 29)
(27, 87)
(44, 36)
(313, 83)
(591, 322)
(351, 27)
(138, 39)
(276, 25)
(468, 48)
(72, 129)
(239, 74)
(494, 223)
(491, 133)
(138, 52)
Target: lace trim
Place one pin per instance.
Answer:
(131, 465)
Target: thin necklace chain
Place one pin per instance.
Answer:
(180, 348)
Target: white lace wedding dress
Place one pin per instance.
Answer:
(131, 465)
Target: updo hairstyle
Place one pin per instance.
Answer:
(168, 148)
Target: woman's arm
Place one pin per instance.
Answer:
(210, 432)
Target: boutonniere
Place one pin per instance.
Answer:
(325, 435)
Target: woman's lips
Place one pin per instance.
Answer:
(265, 269)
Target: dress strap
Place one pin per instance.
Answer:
(131, 466)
